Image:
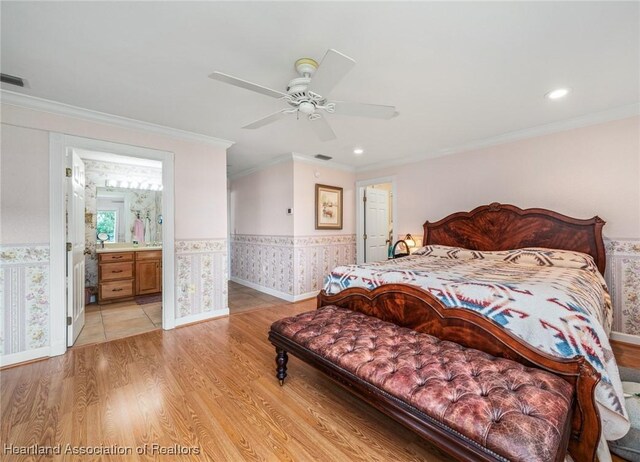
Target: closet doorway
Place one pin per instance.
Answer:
(117, 209)
(375, 219)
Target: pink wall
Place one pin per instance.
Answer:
(24, 201)
(259, 201)
(305, 178)
(200, 174)
(580, 172)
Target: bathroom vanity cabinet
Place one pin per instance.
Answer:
(122, 275)
(148, 272)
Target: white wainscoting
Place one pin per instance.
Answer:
(623, 279)
(201, 279)
(291, 268)
(24, 302)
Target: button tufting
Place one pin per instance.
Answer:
(419, 368)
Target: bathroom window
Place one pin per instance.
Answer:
(107, 222)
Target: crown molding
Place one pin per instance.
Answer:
(54, 107)
(292, 156)
(262, 166)
(621, 112)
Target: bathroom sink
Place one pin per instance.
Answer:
(126, 247)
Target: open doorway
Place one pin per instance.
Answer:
(114, 210)
(122, 227)
(375, 219)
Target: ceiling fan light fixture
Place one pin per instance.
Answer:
(307, 108)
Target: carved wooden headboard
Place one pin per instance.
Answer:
(503, 227)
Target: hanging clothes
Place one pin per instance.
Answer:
(138, 230)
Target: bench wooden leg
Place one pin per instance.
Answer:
(281, 364)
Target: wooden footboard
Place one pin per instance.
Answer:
(415, 308)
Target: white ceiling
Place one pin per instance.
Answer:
(457, 72)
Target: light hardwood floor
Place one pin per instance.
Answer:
(209, 386)
(242, 299)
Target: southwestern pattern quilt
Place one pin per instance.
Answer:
(555, 300)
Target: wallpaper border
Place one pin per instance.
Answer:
(201, 279)
(289, 267)
(25, 301)
(623, 279)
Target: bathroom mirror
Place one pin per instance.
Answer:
(117, 210)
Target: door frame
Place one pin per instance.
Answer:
(360, 187)
(58, 145)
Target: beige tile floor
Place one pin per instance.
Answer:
(117, 320)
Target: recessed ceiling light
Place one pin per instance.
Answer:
(358, 151)
(557, 93)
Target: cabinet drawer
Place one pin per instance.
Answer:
(116, 257)
(111, 271)
(149, 255)
(116, 289)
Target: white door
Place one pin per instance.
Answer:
(376, 224)
(75, 248)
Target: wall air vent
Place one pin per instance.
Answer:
(11, 80)
(322, 157)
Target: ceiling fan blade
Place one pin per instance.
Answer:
(226, 78)
(269, 119)
(332, 69)
(376, 111)
(322, 129)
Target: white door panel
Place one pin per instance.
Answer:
(376, 213)
(75, 255)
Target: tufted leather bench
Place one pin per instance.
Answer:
(479, 407)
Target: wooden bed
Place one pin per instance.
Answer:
(489, 228)
(506, 227)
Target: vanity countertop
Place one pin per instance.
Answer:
(123, 248)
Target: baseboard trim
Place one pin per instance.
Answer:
(15, 359)
(264, 290)
(201, 317)
(307, 296)
(626, 338)
(276, 293)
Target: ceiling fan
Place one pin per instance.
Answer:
(307, 95)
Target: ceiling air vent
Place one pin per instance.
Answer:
(322, 157)
(12, 80)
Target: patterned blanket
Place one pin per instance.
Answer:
(555, 300)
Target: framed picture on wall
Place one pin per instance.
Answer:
(328, 207)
